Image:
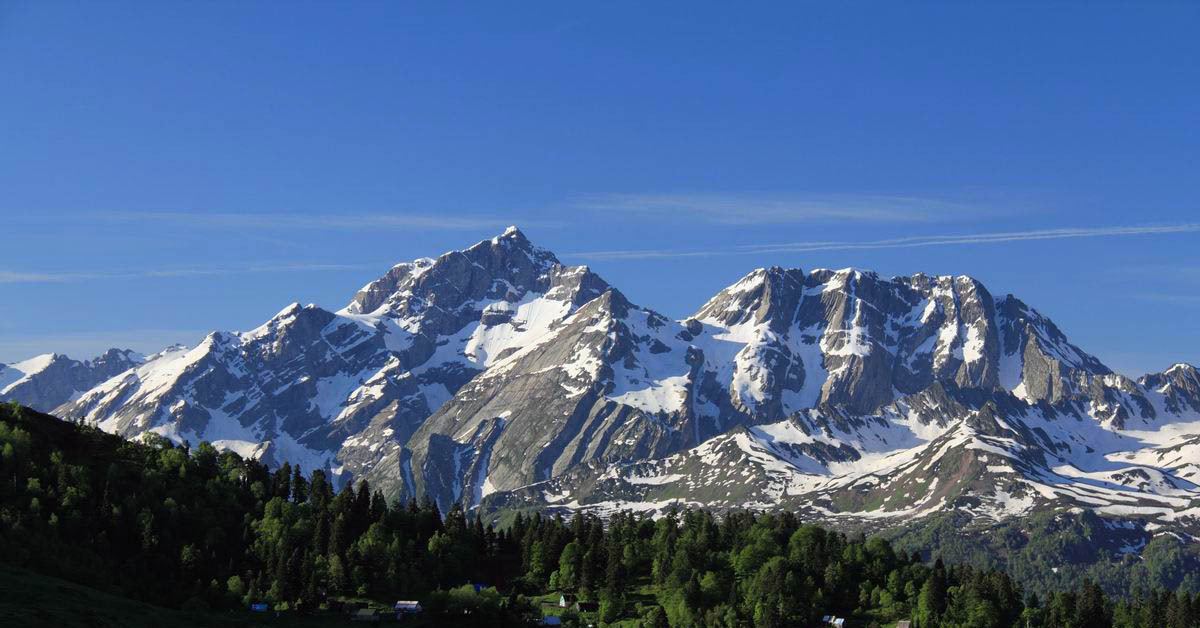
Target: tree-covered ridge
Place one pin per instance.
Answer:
(195, 528)
(198, 528)
(1056, 550)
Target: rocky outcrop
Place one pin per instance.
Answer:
(473, 376)
(557, 403)
(48, 381)
(1180, 384)
(341, 390)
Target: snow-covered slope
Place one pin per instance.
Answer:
(851, 397)
(992, 456)
(47, 381)
(821, 377)
(335, 389)
(497, 377)
(611, 382)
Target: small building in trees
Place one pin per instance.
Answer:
(368, 615)
(904, 623)
(587, 607)
(566, 600)
(407, 607)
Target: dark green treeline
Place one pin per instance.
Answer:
(201, 529)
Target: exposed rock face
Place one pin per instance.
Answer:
(867, 338)
(48, 381)
(1181, 386)
(340, 390)
(496, 376)
(986, 454)
(561, 401)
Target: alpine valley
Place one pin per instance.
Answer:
(500, 379)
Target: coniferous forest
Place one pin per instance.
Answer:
(203, 530)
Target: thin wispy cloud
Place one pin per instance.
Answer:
(1167, 297)
(11, 276)
(15, 276)
(298, 221)
(769, 210)
(897, 243)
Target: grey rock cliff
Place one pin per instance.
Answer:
(496, 377)
(46, 382)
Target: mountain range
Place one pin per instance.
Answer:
(498, 378)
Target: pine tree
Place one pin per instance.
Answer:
(283, 482)
(320, 538)
(320, 491)
(378, 507)
(614, 578)
(339, 536)
(299, 486)
(1090, 609)
(294, 576)
(361, 511)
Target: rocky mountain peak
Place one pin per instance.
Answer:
(50, 380)
(114, 355)
(511, 247)
(1182, 369)
(514, 235)
(507, 265)
(765, 295)
(610, 303)
(1180, 385)
(494, 368)
(1178, 373)
(1023, 322)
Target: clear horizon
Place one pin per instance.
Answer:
(173, 170)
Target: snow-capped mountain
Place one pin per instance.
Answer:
(334, 389)
(47, 381)
(497, 377)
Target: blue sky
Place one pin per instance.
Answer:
(172, 168)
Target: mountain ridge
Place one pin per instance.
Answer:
(497, 377)
(52, 379)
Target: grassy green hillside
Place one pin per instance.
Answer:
(34, 600)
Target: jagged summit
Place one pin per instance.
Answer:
(1179, 384)
(327, 389)
(496, 376)
(46, 381)
(511, 232)
(508, 261)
